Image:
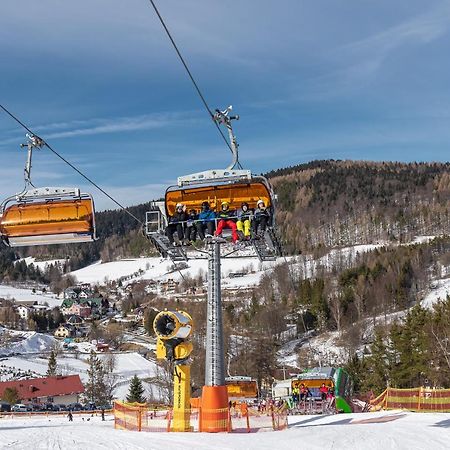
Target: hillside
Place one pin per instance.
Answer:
(340, 203)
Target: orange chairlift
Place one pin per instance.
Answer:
(233, 185)
(46, 215)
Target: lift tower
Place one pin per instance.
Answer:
(214, 406)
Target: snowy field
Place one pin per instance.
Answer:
(21, 294)
(160, 269)
(369, 431)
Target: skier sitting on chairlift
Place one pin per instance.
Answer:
(205, 221)
(227, 220)
(244, 216)
(260, 219)
(191, 229)
(176, 225)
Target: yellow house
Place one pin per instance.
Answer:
(63, 331)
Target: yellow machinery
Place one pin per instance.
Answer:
(172, 329)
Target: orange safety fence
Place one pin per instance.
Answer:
(414, 399)
(241, 419)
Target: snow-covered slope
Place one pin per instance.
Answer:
(161, 269)
(32, 342)
(440, 290)
(42, 265)
(23, 294)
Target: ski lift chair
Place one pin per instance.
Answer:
(49, 215)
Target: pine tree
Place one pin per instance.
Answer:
(377, 366)
(95, 389)
(52, 365)
(136, 391)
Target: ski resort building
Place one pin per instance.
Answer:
(60, 389)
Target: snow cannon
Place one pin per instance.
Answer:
(172, 325)
(172, 329)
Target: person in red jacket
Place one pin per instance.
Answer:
(227, 219)
(323, 391)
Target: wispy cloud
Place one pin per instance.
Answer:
(117, 125)
(370, 52)
(424, 28)
(96, 126)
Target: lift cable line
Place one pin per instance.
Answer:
(208, 109)
(32, 134)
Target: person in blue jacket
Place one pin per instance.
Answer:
(206, 221)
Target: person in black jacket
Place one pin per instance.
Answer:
(191, 229)
(260, 219)
(176, 225)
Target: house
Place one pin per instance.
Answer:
(102, 347)
(70, 293)
(59, 389)
(74, 320)
(78, 309)
(65, 331)
(83, 294)
(23, 311)
(77, 292)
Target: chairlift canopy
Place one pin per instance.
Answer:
(67, 217)
(215, 192)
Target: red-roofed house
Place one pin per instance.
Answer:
(59, 389)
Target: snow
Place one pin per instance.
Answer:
(31, 342)
(371, 431)
(23, 294)
(441, 288)
(160, 269)
(42, 265)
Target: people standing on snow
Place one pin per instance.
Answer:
(244, 217)
(70, 416)
(176, 225)
(227, 218)
(103, 415)
(206, 221)
(191, 229)
(260, 219)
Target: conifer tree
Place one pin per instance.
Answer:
(377, 365)
(136, 391)
(52, 365)
(95, 389)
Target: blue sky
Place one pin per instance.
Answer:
(98, 80)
